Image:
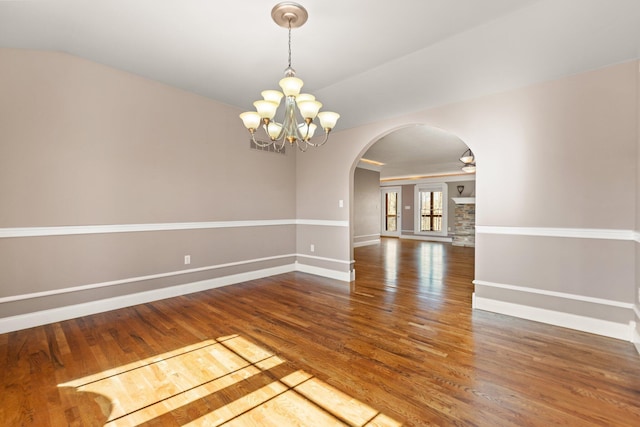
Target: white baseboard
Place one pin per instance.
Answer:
(38, 318)
(345, 276)
(43, 317)
(567, 320)
(366, 243)
(444, 239)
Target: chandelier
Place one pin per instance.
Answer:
(288, 129)
(469, 161)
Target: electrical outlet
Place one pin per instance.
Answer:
(187, 259)
(312, 248)
(341, 203)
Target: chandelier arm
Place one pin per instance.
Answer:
(308, 129)
(297, 133)
(279, 146)
(302, 147)
(259, 143)
(319, 144)
(290, 124)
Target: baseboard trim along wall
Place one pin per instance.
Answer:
(366, 243)
(29, 320)
(444, 239)
(345, 276)
(58, 314)
(622, 331)
(366, 240)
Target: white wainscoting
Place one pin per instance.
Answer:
(623, 331)
(23, 321)
(38, 318)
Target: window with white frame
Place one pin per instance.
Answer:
(431, 209)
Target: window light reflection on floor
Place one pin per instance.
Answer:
(224, 382)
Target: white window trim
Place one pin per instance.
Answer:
(435, 187)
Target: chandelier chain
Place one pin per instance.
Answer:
(289, 43)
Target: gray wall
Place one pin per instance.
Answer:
(84, 145)
(408, 217)
(554, 159)
(366, 206)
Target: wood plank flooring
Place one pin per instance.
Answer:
(399, 346)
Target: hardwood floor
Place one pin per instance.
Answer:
(400, 345)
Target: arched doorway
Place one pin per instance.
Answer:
(422, 192)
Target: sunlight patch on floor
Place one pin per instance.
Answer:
(229, 381)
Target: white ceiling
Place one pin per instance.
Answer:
(365, 59)
(416, 151)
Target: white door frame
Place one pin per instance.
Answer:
(383, 211)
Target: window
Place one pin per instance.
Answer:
(391, 202)
(431, 209)
(391, 211)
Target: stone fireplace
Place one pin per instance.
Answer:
(465, 221)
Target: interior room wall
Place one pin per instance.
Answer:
(108, 180)
(366, 207)
(552, 194)
(408, 215)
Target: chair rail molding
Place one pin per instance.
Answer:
(580, 233)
